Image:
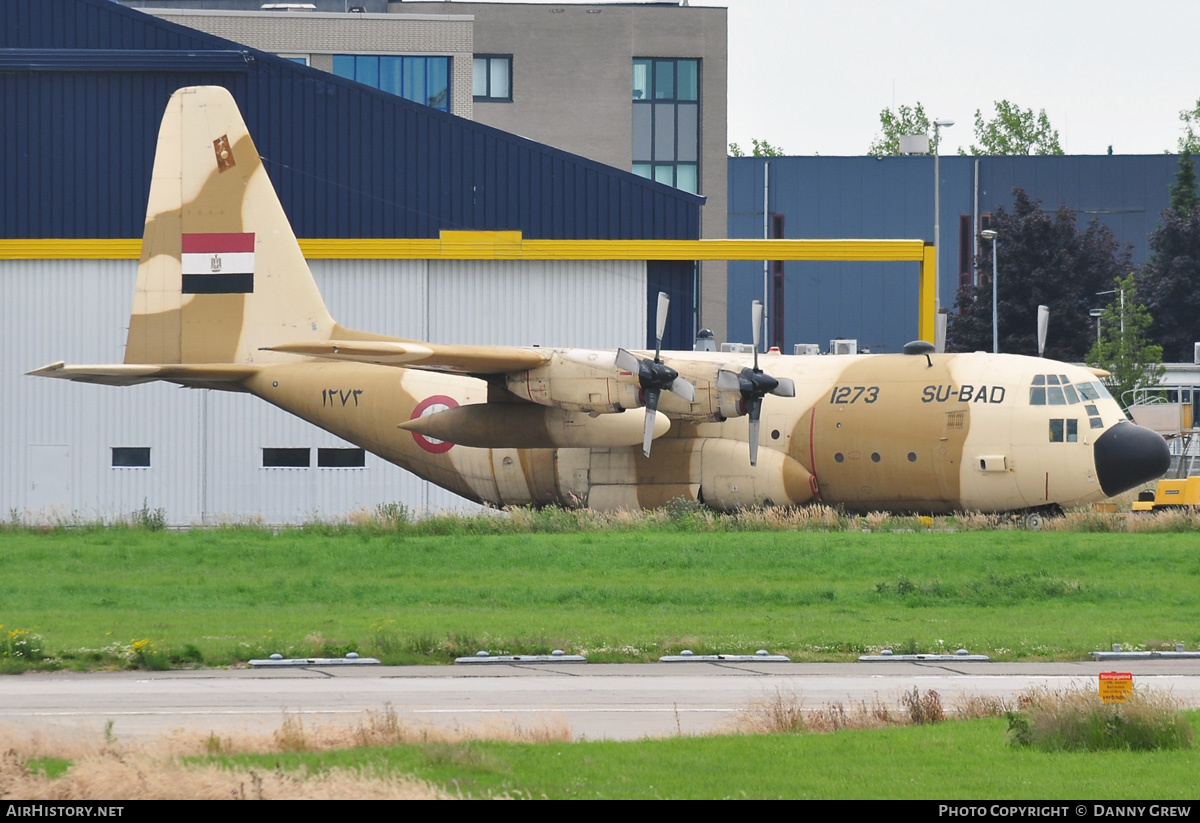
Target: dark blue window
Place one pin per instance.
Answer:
(424, 80)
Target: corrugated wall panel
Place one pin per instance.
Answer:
(587, 304)
(206, 447)
(77, 310)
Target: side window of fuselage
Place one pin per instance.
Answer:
(1064, 430)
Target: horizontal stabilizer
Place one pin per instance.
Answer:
(196, 375)
(429, 356)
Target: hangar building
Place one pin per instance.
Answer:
(892, 197)
(83, 84)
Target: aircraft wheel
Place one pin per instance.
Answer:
(1033, 521)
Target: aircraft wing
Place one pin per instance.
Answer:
(202, 375)
(419, 355)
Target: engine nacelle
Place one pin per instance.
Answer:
(590, 381)
(584, 381)
(711, 405)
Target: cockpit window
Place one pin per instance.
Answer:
(1058, 391)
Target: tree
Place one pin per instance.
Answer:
(903, 120)
(1184, 199)
(1190, 141)
(1124, 350)
(761, 149)
(1014, 131)
(1044, 259)
(1170, 284)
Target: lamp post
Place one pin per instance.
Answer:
(937, 228)
(990, 234)
(1122, 293)
(1097, 313)
(1121, 345)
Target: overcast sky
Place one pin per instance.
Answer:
(813, 76)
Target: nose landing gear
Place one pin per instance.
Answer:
(1032, 519)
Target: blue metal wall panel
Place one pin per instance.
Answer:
(892, 197)
(348, 161)
(1127, 193)
(678, 279)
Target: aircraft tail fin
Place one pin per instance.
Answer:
(221, 274)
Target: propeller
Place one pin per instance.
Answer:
(655, 375)
(754, 384)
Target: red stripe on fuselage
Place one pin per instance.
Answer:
(812, 454)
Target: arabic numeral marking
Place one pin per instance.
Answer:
(843, 395)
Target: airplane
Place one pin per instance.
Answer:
(225, 301)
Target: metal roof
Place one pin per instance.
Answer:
(83, 84)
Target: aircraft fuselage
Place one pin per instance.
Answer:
(920, 433)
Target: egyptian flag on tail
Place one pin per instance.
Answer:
(218, 263)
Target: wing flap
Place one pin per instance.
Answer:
(428, 356)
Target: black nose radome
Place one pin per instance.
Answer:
(1129, 455)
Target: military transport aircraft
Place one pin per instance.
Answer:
(225, 301)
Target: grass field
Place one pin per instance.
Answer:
(98, 597)
(826, 587)
(957, 760)
(970, 760)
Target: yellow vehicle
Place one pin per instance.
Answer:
(1170, 494)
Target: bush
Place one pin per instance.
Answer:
(1078, 720)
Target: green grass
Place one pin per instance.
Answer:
(955, 760)
(216, 596)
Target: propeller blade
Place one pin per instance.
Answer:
(648, 429)
(626, 361)
(660, 328)
(754, 410)
(786, 387)
(756, 321)
(683, 388)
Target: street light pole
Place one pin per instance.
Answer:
(937, 208)
(1122, 293)
(990, 234)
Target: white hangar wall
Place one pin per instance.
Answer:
(56, 437)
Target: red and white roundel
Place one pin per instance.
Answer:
(428, 406)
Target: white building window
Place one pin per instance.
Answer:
(492, 78)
